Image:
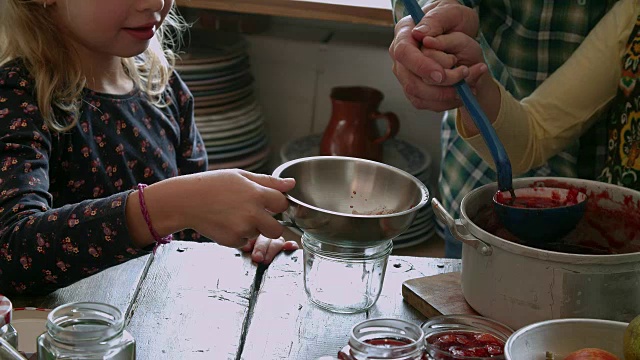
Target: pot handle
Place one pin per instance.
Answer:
(459, 231)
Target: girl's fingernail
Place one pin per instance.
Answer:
(259, 257)
(436, 76)
(465, 71)
(289, 181)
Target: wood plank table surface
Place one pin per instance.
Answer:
(205, 301)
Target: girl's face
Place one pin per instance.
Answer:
(120, 28)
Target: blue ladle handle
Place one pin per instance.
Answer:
(499, 154)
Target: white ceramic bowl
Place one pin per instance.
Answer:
(564, 336)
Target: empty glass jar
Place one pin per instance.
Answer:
(344, 279)
(90, 331)
(390, 339)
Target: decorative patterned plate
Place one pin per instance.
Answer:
(396, 152)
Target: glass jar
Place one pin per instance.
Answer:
(464, 337)
(85, 330)
(344, 279)
(10, 334)
(7, 331)
(384, 339)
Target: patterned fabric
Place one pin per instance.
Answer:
(524, 42)
(623, 125)
(62, 195)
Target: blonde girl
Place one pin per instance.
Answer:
(91, 112)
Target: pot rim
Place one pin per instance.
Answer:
(541, 324)
(423, 188)
(532, 252)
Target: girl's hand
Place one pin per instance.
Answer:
(265, 249)
(232, 206)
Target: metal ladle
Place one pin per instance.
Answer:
(529, 224)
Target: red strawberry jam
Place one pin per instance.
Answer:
(389, 342)
(465, 344)
(382, 342)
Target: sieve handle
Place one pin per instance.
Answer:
(287, 223)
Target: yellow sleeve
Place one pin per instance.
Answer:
(562, 107)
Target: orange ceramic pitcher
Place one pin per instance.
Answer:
(352, 129)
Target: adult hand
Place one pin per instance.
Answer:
(465, 49)
(424, 73)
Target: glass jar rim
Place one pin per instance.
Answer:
(347, 252)
(403, 328)
(464, 322)
(61, 321)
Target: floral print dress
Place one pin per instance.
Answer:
(62, 195)
(623, 124)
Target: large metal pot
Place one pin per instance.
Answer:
(519, 285)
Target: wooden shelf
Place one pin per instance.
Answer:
(371, 12)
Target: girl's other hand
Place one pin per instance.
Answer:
(264, 250)
(233, 206)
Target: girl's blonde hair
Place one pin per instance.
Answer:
(29, 33)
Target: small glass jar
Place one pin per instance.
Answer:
(86, 331)
(468, 337)
(391, 339)
(10, 334)
(344, 279)
(7, 331)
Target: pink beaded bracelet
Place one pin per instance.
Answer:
(143, 207)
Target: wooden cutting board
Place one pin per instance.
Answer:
(437, 295)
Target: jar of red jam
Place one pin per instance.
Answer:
(391, 339)
(7, 331)
(464, 337)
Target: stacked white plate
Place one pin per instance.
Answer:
(226, 112)
(396, 152)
